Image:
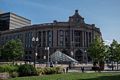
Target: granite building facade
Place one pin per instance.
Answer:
(72, 36)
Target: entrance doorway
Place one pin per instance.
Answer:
(79, 56)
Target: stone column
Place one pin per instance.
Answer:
(83, 39)
(91, 37)
(41, 38)
(64, 38)
(70, 31)
(46, 38)
(73, 42)
(58, 36)
(87, 40)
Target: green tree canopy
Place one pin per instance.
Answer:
(113, 50)
(97, 50)
(12, 50)
(114, 53)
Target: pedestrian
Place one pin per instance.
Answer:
(82, 69)
(69, 65)
(66, 69)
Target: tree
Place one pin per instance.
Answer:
(97, 52)
(117, 55)
(12, 50)
(114, 53)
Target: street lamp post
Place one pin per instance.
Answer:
(72, 53)
(83, 56)
(86, 56)
(35, 40)
(44, 57)
(48, 61)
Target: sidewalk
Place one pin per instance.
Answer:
(93, 71)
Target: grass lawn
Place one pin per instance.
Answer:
(74, 76)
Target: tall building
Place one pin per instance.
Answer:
(12, 21)
(72, 38)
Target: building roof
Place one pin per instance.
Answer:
(77, 15)
(15, 15)
(61, 57)
(54, 24)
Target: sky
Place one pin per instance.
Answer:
(105, 14)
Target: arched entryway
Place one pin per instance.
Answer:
(79, 55)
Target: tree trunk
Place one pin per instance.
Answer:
(95, 64)
(13, 61)
(112, 66)
(101, 65)
(117, 65)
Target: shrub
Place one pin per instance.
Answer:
(49, 70)
(27, 70)
(58, 70)
(8, 68)
(14, 74)
(40, 71)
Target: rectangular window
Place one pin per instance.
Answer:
(44, 38)
(39, 36)
(61, 38)
(77, 38)
(49, 38)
